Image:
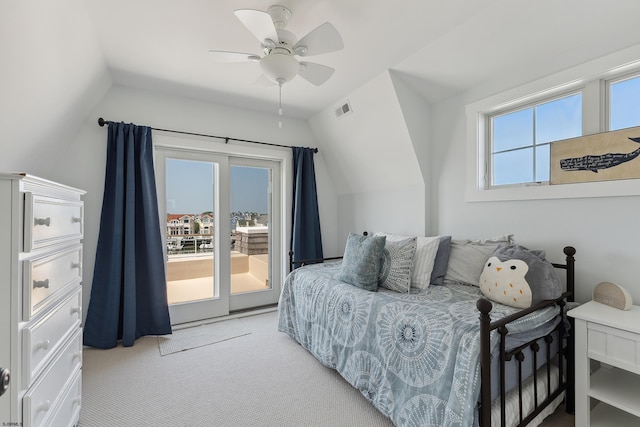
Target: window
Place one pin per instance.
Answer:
(520, 140)
(624, 103)
(509, 133)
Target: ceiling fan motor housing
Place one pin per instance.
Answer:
(280, 15)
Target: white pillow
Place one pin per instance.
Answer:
(425, 255)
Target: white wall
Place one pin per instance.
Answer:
(51, 73)
(372, 163)
(603, 230)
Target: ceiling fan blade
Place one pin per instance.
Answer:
(258, 23)
(323, 39)
(223, 56)
(315, 73)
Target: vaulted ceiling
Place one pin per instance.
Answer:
(441, 47)
(60, 58)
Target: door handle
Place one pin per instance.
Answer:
(5, 379)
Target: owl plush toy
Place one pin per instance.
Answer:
(519, 277)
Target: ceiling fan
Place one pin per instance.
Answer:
(280, 47)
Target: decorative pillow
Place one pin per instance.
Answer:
(361, 261)
(467, 258)
(441, 261)
(519, 277)
(397, 261)
(426, 249)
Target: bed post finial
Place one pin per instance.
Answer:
(290, 261)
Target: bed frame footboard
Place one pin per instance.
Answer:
(565, 353)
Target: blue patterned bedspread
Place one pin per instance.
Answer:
(414, 356)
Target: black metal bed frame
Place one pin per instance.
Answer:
(566, 380)
(566, 374)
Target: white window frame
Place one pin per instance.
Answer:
(533, 104)
(591, 78)
(607, 91)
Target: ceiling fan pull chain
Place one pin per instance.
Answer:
(280, 104)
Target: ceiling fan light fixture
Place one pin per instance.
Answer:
(279, 67)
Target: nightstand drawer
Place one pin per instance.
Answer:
(48, 221)
(44, 277)
(42, 339)
(613, 346)
(43, 400)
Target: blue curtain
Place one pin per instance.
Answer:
(128, 295)
(306, 240)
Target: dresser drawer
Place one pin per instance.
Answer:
(68, 412)
(614, 346)
(45, 276)
(49, 221)
(42, 339)
(42, 402)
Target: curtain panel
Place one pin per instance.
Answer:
(128, 294)
(306, 239)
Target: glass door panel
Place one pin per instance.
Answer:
(255, 225)
(250, 236)
(190, 187)
(190, 202)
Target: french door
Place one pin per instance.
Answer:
(223, 231)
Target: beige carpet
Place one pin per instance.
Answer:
(260, 379)
(199, 336)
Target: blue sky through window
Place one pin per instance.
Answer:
(521, 139)
(190, 187)
(625, 104)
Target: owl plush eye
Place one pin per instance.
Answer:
(513, 267)
(489, 265)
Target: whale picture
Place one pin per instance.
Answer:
(603, 156)
(594, 163)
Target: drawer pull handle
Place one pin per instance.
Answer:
(76, 265)
(43, 345)
(75, 310)
(76, 219)
(44, 406)
(41, 284)
(77, 401)
(77, 356)
(42, 221)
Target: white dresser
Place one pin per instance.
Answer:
(607, 365)
(41, 228)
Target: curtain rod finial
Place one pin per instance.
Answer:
(101, 122)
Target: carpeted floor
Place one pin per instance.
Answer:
(262, 379)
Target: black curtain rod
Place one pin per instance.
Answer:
(103, 122)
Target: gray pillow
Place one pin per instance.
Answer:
(519, 277)
(441, 261)
(397, 262)
(467, 258)
(361, 261)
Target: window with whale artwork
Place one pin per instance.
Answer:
(510, 135)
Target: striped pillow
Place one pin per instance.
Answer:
(424, 258)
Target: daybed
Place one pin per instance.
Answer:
(443, 355)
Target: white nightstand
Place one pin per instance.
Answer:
(607, 365)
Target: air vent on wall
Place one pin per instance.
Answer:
(343, 109)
